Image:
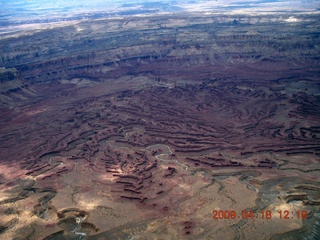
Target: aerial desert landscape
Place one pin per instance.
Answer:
(140, 123)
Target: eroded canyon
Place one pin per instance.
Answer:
(141, 127)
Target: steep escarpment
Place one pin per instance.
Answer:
(13, 88)
(101, 50)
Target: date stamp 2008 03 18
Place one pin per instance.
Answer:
(265, 214)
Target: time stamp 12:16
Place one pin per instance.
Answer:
(265, 214)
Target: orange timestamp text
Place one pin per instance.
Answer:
(265, 214)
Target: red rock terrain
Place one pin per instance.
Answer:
(139, 128)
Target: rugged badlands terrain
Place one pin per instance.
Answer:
(143, 127)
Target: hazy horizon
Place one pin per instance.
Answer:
(36, 9)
